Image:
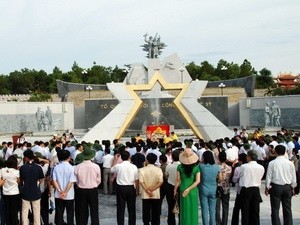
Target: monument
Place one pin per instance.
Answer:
(163, 79)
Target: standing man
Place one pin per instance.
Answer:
(88, 178)
(250, 180)
(171, 173)
(127, 187)
(151, 178)
(138, 158)
(70, 148)
(63, 181)
(107, 163)
(31, 176)
(280, 184)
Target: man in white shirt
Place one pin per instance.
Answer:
(251, 174)
(79, 149)
(280, 184)
(274, 140)
(203, 148)
(9, 150)
(127, 183)
(154, 149)
(232, 154)
(19, 153)
(171, 172)
(107, 163)
(290, 147)
(70, 147)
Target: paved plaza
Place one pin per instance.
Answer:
(107, 203)
(107, 210)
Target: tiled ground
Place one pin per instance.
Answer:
(107, 210)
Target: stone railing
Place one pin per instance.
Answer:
(14, 98)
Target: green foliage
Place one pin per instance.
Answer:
(281, 91)
(40, 97)
(29, 81)
(264, 79)
(246, 69)
(194, 70)
(4, 90)
(223, 71)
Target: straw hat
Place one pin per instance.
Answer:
(188, 157)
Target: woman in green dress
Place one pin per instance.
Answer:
(188, 177)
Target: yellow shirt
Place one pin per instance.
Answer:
(167, 140)
(150, 175)
(174, 137)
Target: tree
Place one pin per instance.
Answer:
(118, 74)
(206, 70)
(99, 75)
(246, 69)
(194, 70)
(264, 79)
(20, 82)
(223, 70)
(4, 85)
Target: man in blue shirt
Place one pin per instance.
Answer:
(63, 180)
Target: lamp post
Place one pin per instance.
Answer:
(89, 89)
(84, 73)
(221, 86)
(181, 69)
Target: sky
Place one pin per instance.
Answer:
(42, 34)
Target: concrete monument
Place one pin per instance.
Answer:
(160, 81)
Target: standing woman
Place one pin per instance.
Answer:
(223, 190)
(11, 192)
(208, 188)
(188, 177)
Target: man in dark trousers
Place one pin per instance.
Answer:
(31, 175)
(171, 172)
(280, 184)
(88, 179)
(127, 185)
(251, 174)
(151, 179)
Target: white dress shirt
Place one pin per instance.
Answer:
(127, 173)
(200, 153)
(251, 174)
(156, 152)
(171, 172)
(261, 154)
(232, 154)
(281, 171)
(107, 161)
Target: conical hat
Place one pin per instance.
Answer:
(188, 157)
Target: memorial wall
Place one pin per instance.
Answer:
(23, 117)
(154, 112)
(279, 111)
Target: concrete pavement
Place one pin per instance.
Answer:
(107, 210)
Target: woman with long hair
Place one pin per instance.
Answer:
(11, 192)
(188, 177)
(208, 188)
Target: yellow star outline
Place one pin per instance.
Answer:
(157, 77)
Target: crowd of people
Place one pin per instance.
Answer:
(67, 175)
